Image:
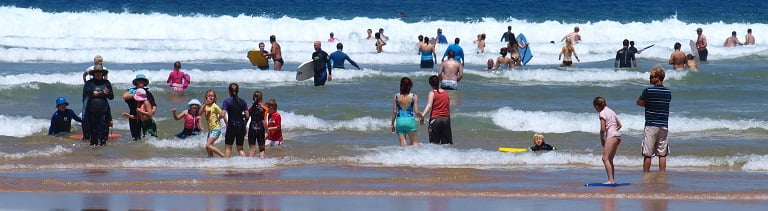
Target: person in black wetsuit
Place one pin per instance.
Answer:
(234, 109)
(322, 63)
(96, 94)
(538, 140)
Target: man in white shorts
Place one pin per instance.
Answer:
(656, 100)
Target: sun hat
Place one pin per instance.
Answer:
(194, 102)
(61, 100)
(141, 77)
(140, 95)
(98, 68)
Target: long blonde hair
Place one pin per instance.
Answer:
(569, 45)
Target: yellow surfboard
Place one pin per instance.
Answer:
(256, 58)
(512, 149)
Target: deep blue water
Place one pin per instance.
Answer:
(692, 11)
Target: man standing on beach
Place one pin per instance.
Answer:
(656, 100)
(624, 57)
(701, 45)
(456, 48)
(450, 72)
(678, 59)
(277, 54)
(321, 62)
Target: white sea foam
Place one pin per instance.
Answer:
(52, 151)
(34, 35)
(564, 122)
(20, 126)
(292, 121)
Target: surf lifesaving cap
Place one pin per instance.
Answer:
(141, 77)
(140, 95)
(61, 100)
(194, 102)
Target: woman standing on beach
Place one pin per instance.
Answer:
(405, 109)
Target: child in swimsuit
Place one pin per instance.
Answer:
(609, 135)
(192, 125)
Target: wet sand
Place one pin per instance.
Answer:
(333, 187)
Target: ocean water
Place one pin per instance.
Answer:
(718, 120)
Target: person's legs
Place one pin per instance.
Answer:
(646, 164)
(401, 137)
(609, 152)
(662, 164)
(414, 138)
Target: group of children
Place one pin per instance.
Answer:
(265, 128)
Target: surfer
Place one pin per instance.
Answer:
(574, 36)
(264, 53)
(450, 72)
(609, 135)
(338, 58)
(140, 82)
(701, 45)
(458, 52)
(234, 108)
(277, 53)
(566, 52)
(508, 36)
(656, 100)
(678, 59)
(441, 39)
(61, 121)
(438, 103)
(405, 109)
(503, 61)
(428, 56)
(749, 39)
(625, 58)
(258, 115)
(539, 144)
(177, 79)
(96, 94)
(322, 65)
(732, 40)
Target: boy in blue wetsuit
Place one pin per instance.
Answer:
(338, 58)
(61, 121)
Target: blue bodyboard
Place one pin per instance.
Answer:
(605, 185)
(525, 53)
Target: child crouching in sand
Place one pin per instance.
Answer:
(609, 135)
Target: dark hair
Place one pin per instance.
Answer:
(503, 51)
(733, 33)
(381, 29)
(331, 34)
(434, 81)
(749, 30)
(421, 38)
(377, 35)
(257, 96)
(599, 102)
(678, 46)
(405, 85)
(272, 39)
(509, 28)
(177, 64)
(339, 46)
(233, 89)
(626, 42)
(632, 43)
(426, 39)
(451, 54)
(456, 40)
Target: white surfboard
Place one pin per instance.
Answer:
(305, 71)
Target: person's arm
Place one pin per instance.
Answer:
(460, 73)
(618, 124)
(247, 112)
(428, 107)
(562, 51)
(73, 115)
(352, 62)
(53, 123)
(108, 91)
(199, 124)
(602, 131)
(672, 59)
(416, 107)
(616, 61)
(394, 113)
(577, 56)
(266, 116)
(434, 56)
(440, 72)
(127, 95)
(178, 117)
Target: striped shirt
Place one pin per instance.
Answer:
(656, 99)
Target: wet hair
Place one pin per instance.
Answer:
(261, 43)
(426, 40)
(503, 51)
(509, 28)
(599, 102)
(339, 46)
(331, 34)
(482, 36)
(659, 72)
(206, 95)
(632, 43)
(451, 54)
(272, 39)
(456, 40)
(749, 30)
(234, 89)
(377, 35)
(421, 38)
(626, 42)
(434, 81)
(733, 33)
(177, 65)
(405, 85)
(257, 96)
(689, 56)
(538, 136)
(576, 29)
(272, 104)
(678, 46)
(381, 30)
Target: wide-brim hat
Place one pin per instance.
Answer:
(98, 68)
(140, 95)
(194, 102)
(141, 77)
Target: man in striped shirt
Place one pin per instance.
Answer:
(655, 99)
